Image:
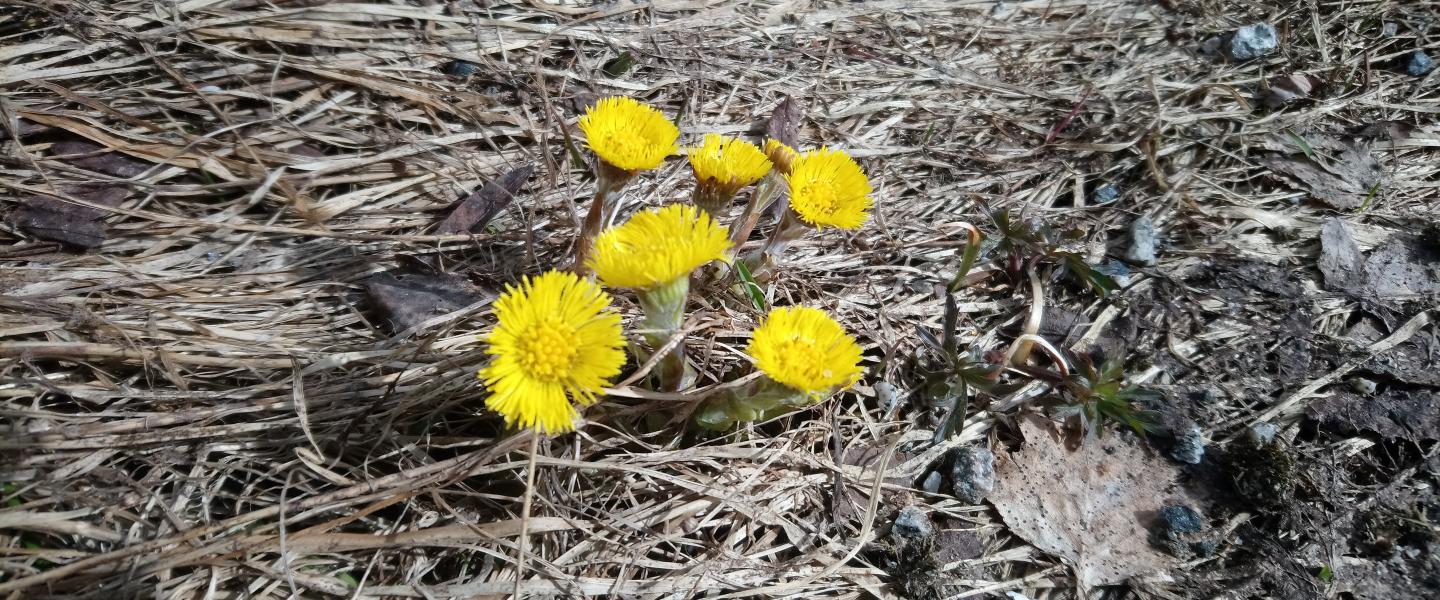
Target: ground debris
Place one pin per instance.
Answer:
(1403, 267)
(1393, 414)
(409, 298)
(66, 222)
(1092, 507)
(476, 210)
(1339, 172)
(1285, 89)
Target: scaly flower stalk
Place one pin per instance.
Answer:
(723, 165)
(555, 340)
(654, 254)
(768, 191)
(627, 137)
(804, 355)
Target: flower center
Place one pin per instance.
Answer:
(804, 360)
(548, 350)
(823, 198)
(626, 143)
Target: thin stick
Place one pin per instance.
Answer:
(525, 511)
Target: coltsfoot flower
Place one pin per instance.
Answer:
(782, 156)
(555, 341)
(629, 135)
(806, 350)
(657, 247)
(727, 164)
(828, 189)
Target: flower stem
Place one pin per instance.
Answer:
(665, 317)
(760, 198)
(762, 261)
(609, 180)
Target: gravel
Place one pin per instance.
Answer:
(972, 474)
(912, 523)
(1189, 446)
(1142, 242)
(1253, 41)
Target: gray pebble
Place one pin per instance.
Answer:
(1254, 41)
(1418, 63)
(932, 482)
(1142, 242)
(1189, 446)
(1363, 386)
(972, 474)
(1261, 434)
(210, 89)
(912, 523)
(1106, 194)
(1211, 46)
(1116, 270)
(1390, 29)
(461, 68)
(1180, 519)
(887, 396)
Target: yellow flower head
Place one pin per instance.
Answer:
(827, 189)
(728, 162)
(804, 349)
(555, 340)
(658, 246)
(782, 156)
(629, 135)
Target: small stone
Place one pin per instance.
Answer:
(1142, 242)
(887, 395)
(210, 89)
(1390, 29)
(932, 482)
(1211, 46)
(461, 68)
(1261, 434)
(1180, 519)
(912, 523)
(1001, 10)
(1252, 42)
(1106, 194)
(1189, 446)
(1115, 270)
(972, 474)
(1363, 386)
(1418, 63)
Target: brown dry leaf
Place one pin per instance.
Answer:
(1090, 507)
(67, 222)
(476, 210)
(1394, 414)
(1403, 268)
(1340, 173)
(409, 298)
(1289, 88)
(784, 125)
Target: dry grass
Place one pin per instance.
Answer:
(206, 406)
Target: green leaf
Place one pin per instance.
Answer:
(617, 66)
(753, 289)
(348, 580)
(12, 500)
(1325, 574)
(1304, 146)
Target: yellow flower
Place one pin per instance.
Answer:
(555, 340)
(806, 350)
(827, 189)
(658, 246)
(727, 162)
(629, 135)
(781, 156)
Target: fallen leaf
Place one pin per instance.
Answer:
(1341, 173)
(784, 125)
(1393, 414)
(1402, 268)
(1091, 507)
(94, 157)
(1290, 88)
(476, 210)
(1341, 261)
(409, 298)
(55, 219)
